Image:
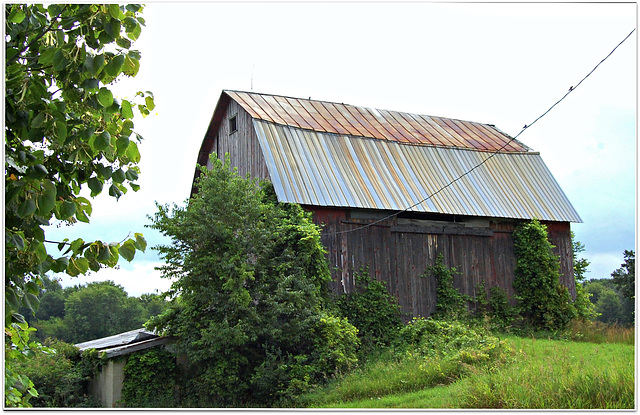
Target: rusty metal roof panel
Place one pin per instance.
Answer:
(339, 118)
(339, 170)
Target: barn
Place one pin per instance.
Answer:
(392, 190)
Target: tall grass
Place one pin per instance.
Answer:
(558, 375)
(549, 374)
(598, 332)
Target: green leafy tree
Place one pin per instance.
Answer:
(64, 132)
(250, 283)
(542, 300)
(583, 305)
(625, 280)
(101, 309)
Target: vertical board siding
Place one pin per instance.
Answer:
(400, 258)
(242, 145)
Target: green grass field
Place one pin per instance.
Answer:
(542, 374)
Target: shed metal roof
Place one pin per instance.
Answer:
(327, 169)
(120, 339)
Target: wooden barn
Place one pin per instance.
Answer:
(392, 190)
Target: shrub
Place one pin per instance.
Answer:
(452, 349)
(542, 301)
(502, 313)
(450, 303)
(372, 309)
(250, 288)
(59, 377)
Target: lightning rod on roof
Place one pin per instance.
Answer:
(252, 68)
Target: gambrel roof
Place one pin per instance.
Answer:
(335, 155)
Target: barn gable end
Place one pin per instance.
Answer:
(355, 168)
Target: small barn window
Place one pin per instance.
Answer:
(233, 125)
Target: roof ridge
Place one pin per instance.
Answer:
(389, 125)
(361, 106)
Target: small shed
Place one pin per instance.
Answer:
(392, 190)
(106, 385)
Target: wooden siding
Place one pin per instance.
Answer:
(399, 255)
(242, 145)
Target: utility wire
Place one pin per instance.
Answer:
(571, 89)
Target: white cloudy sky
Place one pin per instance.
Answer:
(502, 64)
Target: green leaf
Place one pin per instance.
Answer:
(114, 67)
(76, 246)
(98, 64)
(121, 144)
(135, 33)
(47, 199)
(105, 97)
(118, 176)
(126, 110)
(114, 191)
(141, 243)
(59, 61)
(131, 175)
(46, 56)
(114, 11)
(132, 152)
(150, 104)
(103, 253)
(103, 171)
(60, 264)
(77, 266)
(26, 208)
(38, 120)
(95, 185)
(16, 16)
(17, 241)
(127, 250)
(67, 209)
(113, 28)
(91, 84)
(102, 141)
(30, 301)
(61, 131)
(82, 216)
(123, 42)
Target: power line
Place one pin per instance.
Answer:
(571, 89)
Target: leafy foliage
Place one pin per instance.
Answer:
(610, 305)
(585, 309)
(64, 131)
(450, 303)
(447, 342)
(372, 309)
(59, 377)
(251, 282)
(150, 379)
(502, 313)
(625, 279)
(542, 300)
(82, 315)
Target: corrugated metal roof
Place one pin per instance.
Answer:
(117, 340)
(329, 117)
(331, 169)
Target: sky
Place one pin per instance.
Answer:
(500, 63)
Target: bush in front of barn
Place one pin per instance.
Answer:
(250, 295)
(372, 309)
